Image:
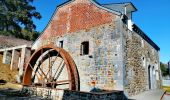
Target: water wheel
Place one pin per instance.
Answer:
(51, 66)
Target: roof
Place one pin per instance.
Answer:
(120, 7)
(145, 37)
(6, 41)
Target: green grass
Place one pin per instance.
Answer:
(167, 88)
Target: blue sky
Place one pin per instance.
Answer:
(153, 17)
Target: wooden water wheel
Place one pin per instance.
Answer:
(51, 66)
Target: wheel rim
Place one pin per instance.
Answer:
(53, 67)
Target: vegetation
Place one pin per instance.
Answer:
(167, 88)
(164, 69)
(16, 19)
(6, 74)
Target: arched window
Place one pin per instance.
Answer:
(84, 48)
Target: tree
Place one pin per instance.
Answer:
(164, 69)
(16, 15)
(29, 35)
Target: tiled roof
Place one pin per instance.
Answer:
(6, 41)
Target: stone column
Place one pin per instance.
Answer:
(4, 57)
(7, 57)
(25, 54)
(22, 59)
(14, 60)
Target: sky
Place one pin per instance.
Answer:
(152, 16)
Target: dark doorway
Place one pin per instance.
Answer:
(149, 76)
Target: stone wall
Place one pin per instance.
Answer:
(102, 67)
(103, 64)
(54, 94)
(139, 56)
(136, 74)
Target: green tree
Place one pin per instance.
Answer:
(16, 15)
(29, 35)
(164, 69)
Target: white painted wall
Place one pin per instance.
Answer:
(166, 82)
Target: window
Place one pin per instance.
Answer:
(61, 44)
(84, 48)
(125, 19)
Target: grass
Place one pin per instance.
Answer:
(167, 88)
(11, 86)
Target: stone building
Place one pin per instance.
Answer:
(109, 50)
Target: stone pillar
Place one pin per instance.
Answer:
(14, 60)
(4, 57)
(7, 57)
(21, 65)
(25, 54)
(22, 59)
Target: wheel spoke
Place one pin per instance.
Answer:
(39, 67)
(42, 72)
(60, 82)
(53, 62)
(49, 66)
(39, 77)
(34, 70)
(59, 72)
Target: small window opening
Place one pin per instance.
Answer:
(125, 19)
(85, 48)
(61, 44)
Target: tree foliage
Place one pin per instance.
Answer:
(164, 69)
(16, 16)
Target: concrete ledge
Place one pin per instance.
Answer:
(16, 47)
(149, 95)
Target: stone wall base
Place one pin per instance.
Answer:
(56, 94)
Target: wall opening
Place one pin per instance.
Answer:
(61, 44)
(149, 76)
(84, 48)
